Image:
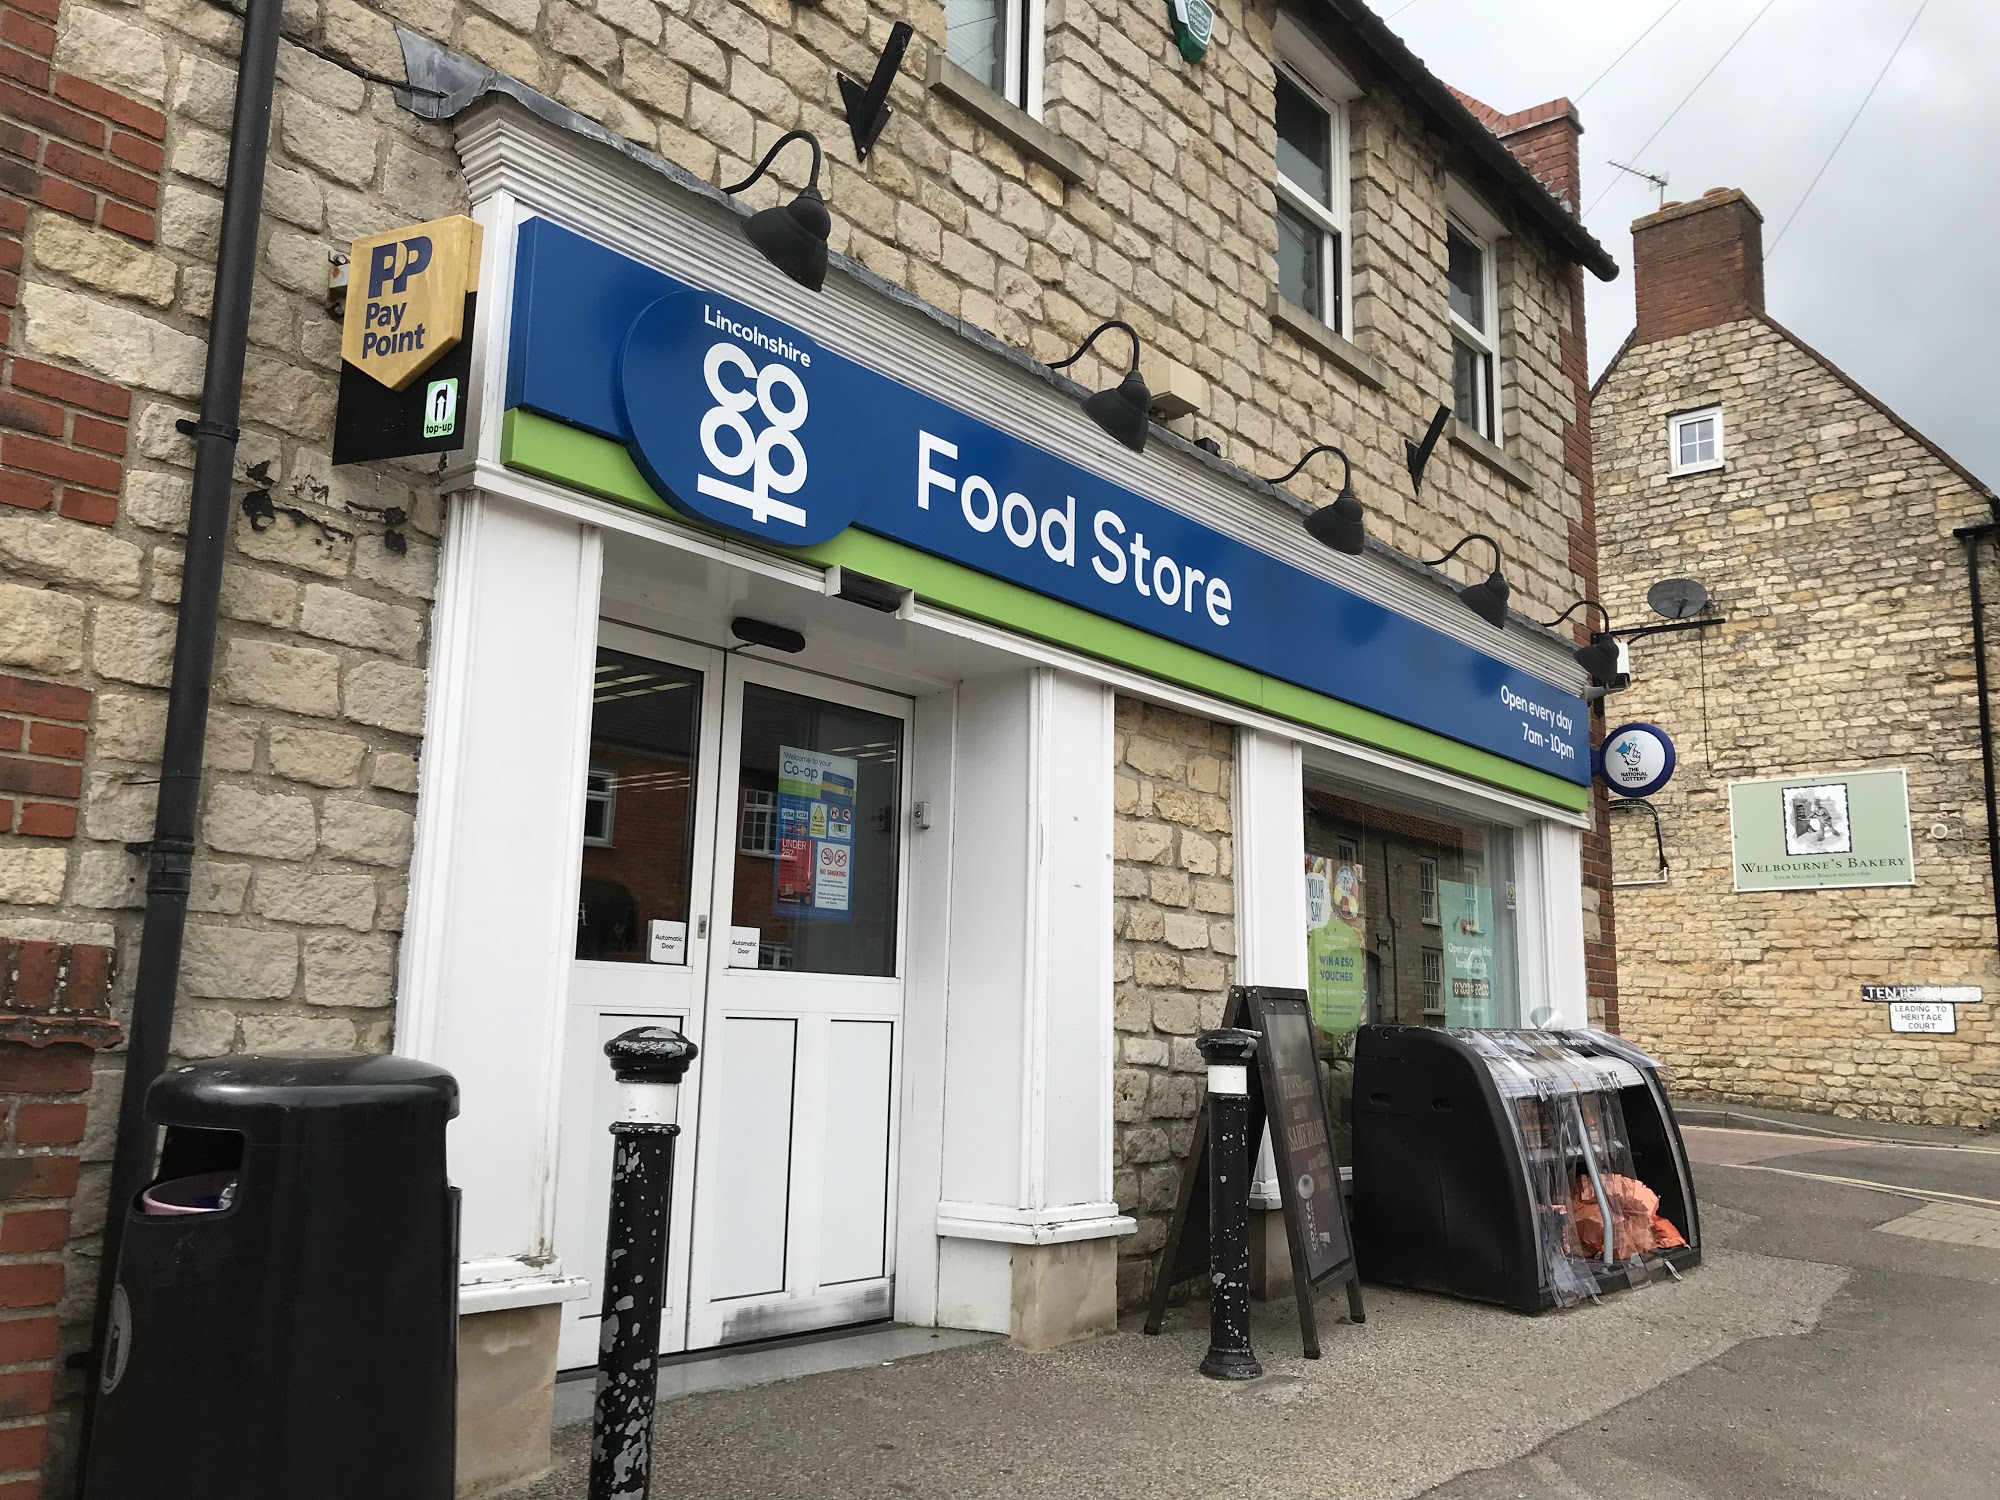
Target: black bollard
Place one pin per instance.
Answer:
(649, 1063)
(1228, 1054)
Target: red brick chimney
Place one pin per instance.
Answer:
(1697, 265)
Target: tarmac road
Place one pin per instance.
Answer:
(1892, 1393)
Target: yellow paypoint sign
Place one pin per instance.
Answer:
(406, 293)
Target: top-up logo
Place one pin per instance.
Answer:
(721, 410)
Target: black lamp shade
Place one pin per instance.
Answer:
(793, 238)
(1600, 658)
(1122, 411)
(1342, 525)
(1488, 600)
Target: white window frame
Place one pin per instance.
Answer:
(606, 796)
(1427, 892)
(1309, 66)
(1432, 981)
(1023, 29)
(1681, 419)
(765, 804)
(1472, 219)
(1473, 878)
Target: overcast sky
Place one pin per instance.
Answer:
(1872, 272)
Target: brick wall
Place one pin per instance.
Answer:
(41, 756)
(54, 1013)
(1826, 544)
(1697, 265)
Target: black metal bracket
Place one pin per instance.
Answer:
(1672, 626)
(868, 108)
(1417, 455)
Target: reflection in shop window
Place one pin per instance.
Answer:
(600, 798)
(1403, 925)
(759, 827)
(642, 731)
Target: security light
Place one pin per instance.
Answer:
(1605, 657)
(1122, 410)
(792, 238)
(1488, 600)
(1342, 525)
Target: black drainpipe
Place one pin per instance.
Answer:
(1971, 537)
(171, 853)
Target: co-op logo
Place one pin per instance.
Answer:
(759, 460)
(722, 411)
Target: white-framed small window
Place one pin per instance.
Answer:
(1427, 892)
(999, 42)
(600, 803)
(1311, 95)
(1344, 851)
(757, 830)
(1433, 981)
(1475, 327)
(1694, 441)
(1475, 890)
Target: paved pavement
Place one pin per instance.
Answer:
(1811, 1355)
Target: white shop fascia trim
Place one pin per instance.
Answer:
(518, 165)
(1032, 1226)
(1347, 757)
(508, 1281)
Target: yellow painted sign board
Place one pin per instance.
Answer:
(406, 298)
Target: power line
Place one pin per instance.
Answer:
(1922, 6)
(1636, 155)
(1623, 55)
(1401, 8)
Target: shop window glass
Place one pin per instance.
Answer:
(638, 806)
(1408, 930)
(831, 779)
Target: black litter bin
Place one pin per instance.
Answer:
(285, 1320)
(1483, 1159)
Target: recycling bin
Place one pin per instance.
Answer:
(1534, 1169)
(284, 1324)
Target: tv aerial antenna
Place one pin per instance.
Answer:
(1658, 180)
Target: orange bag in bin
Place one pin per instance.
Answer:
(1636, 1224)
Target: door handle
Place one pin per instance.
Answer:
(701, 927)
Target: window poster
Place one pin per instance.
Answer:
(1465, 909)
(815, 833)
(1334, 927)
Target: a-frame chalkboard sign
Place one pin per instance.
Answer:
(1285, 1091)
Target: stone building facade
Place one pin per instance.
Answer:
(1130, 186)
(1826, 537)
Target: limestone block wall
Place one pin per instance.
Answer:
(1826, 543)
(1175, 957)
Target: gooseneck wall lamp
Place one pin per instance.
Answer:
(1342, 525)
(793, 237)
(1122, 410)
(1604, 657)
(1488, 599)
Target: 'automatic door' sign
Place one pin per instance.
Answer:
(406, 298)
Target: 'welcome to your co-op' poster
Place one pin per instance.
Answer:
(1334, 966)
(815, 833)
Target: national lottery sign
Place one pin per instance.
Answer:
(742, 421)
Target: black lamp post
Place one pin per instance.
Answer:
(1123, 410)
(1603, 658)
(792, 238)
(1488, 600)
(1342, 525)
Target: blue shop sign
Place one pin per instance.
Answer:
(747, 423)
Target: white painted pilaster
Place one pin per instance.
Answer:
(1557, 926)
(1028, 1053)
(1270, 843)
(491, 930)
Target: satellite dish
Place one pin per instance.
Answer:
(1677, 598)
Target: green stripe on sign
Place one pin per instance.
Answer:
(583, 461)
